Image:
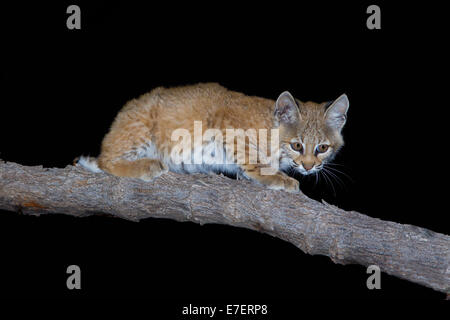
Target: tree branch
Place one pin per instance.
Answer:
(405, 251)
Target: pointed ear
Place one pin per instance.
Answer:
(336, 114)
(286, 110)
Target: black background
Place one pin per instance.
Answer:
(62, 88)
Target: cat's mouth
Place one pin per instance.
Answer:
(291, 165)
(300, 168)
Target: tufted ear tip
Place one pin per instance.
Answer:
(286, 109)
(285, 97)
(336, 114)
(341, 104)
(345, 99)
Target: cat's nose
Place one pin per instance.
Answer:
(307, 166)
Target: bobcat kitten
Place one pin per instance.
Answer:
(140, 142)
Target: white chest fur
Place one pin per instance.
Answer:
(210, 157)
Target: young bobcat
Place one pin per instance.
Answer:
(140, 142)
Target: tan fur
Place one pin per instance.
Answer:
(148, 122)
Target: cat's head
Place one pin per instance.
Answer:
(310, 133)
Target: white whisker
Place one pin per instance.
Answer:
(338, 180)
(341, 172)
(331, 182)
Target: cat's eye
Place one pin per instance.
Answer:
(322, 148)
(297, 146)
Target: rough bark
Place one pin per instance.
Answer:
(405, 251)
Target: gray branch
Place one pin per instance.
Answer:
(347, 237)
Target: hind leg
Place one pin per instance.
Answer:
(127, 150)
(145, 169)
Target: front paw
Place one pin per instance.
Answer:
(281, 182)
(291, 185)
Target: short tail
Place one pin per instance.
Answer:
(88, 163)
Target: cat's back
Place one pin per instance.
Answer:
(202, 95)
(210, 90)
(205, 100)
(189, 94)
(209, 102)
